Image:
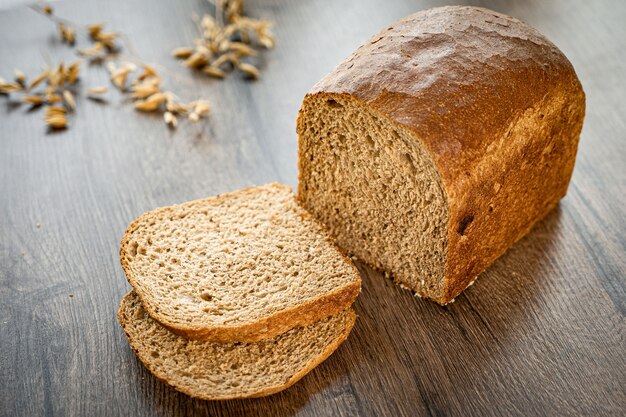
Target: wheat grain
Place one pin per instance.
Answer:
(68, 34)
(232, 8)
(170, 119)
(55, 117)
(52, 98)
(208, 25)
(193, 117)
(71, 73)
(249, 69)
(97, 90)
(20, 77)
(267, 41)
(108, 39)
(33, 100)
(94, 30)
(148, 72)
(145, 89)
(214, 72)
(70, 103)
(55, 110)
(120, 75)
(242, 49)
(56, 77)
(38, 79)
(231, 57)
(51, 95)
(176, 108)
(151, 103)
(9, 87)
(197, 60)
(183, 52)
(95, 48)
(201, 107)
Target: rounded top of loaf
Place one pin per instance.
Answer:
(457, 76)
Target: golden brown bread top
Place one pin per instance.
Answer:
(457, 76)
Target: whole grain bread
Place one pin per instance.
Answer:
(243, 266)
(439, 143)
(219, 371)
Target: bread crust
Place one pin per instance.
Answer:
(301, 315)
(146, 360)
(496, 105)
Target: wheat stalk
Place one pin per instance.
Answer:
(224, 38)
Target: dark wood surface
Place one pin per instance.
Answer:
(542, 332)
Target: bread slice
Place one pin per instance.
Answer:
(243, 266)
(439, 143)
(220, 371)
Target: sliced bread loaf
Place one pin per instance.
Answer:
(439, 143)
(243, 266)
(219, 371)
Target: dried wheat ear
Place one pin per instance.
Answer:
(61, 81)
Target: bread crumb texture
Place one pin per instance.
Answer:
(439, 143)
(237, 260)
(214, 371)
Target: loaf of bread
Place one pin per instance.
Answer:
(439, 143)
(243, 266)
(219, 371)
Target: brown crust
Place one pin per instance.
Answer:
(497, 106)
(270, 326)
(268, 391)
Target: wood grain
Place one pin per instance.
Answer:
(542, 332)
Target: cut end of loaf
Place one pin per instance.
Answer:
(376, 189)
(242, 266)
(481, 96)
(221, 371)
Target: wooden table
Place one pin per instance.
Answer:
(540, 333)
